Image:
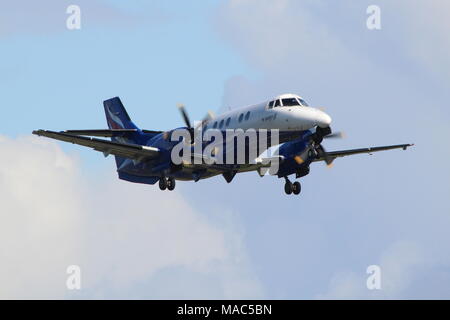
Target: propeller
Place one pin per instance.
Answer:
(317, 138)
(335, 135)
(187, 121)
(316, 144)
(209, 116)
(184, 114)
(321, 152)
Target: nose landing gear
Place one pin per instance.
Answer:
(166, 183)
(290, 187)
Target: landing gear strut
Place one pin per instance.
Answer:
(166, 183)
(290, 187)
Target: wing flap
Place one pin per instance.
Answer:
(207, 163)
(127, 150)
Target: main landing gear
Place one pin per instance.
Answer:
(166, 183)
(290, 187)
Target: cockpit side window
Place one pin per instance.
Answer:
(289, 102)
(271, 104)
(277, 103)
(303, 102)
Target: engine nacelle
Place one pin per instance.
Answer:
(289, 151)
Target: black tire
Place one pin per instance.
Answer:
(288, 187)
(170, 184)
(162, 183)
(296, 187)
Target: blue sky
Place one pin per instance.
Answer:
(246, 239)
(168, 59)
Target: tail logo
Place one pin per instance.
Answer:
(113, 120)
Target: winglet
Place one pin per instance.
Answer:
(408, 145)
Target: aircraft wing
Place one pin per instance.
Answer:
(343, 153)
(127, 150)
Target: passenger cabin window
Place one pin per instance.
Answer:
(221, 124)
(240, 117)
(289, 102)
(247, 115)
(277, 103)
(228, 122)
(271, 104)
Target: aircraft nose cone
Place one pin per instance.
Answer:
(323, 119)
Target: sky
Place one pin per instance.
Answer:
(63, 205)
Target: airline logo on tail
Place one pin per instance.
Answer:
(114, 121)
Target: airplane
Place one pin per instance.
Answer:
(144, 156)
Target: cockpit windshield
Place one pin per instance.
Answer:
(287, 102)
(290, 102)
(303, 102)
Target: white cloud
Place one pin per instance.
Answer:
(400, 266)
(399, 263)
(129, 240)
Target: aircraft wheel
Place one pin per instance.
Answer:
(170, 184)
(296, 187)
(162, 183)
(288, 187)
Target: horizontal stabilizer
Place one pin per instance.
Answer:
(108, 132)
(101, 132)
(126, 150)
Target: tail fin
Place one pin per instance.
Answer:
(116, 115)
(118, 118)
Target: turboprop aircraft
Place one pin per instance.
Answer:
(147, 156)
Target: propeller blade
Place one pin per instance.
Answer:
(322, 153)
(210, 115)
(206, 118)
(184, 115)
(335, 135)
